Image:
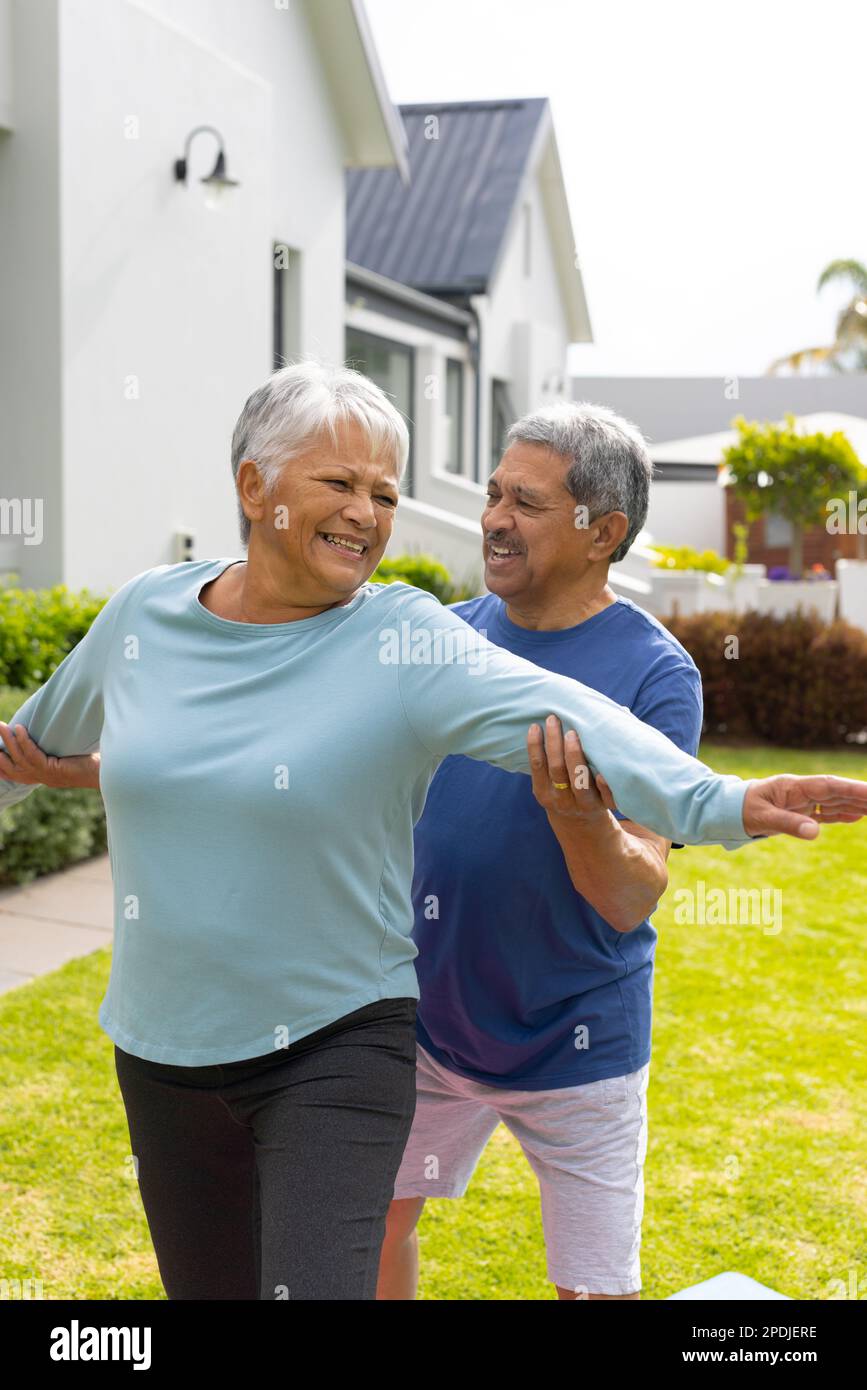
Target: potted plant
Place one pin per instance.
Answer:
(777, 468)
(688, 581)
(849, 515)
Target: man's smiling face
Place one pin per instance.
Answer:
(531, 545)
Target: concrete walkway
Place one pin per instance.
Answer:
(54, 919)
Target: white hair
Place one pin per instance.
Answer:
(610, 469)
(287, 414)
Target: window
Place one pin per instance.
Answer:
(286, 303)
(502, 416)
(454, 460)
(528, 228)
(778, 530)
(391, 365)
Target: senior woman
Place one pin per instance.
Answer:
(268, 729)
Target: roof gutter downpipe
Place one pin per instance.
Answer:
(476, 359)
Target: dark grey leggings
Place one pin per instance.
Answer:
(270, 1178)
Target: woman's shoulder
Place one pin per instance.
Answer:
(135, 584)
(417, 606)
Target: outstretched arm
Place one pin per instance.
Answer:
(482, 702)
(64, 716)
(24, 762)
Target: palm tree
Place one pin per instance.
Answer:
(848, 352)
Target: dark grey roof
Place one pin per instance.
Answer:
(442, 234)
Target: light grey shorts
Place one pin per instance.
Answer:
(586, 1145)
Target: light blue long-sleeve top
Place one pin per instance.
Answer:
(261, 782)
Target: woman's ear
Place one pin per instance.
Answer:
(251, 490)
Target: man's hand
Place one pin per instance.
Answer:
(617, 867)
(562, 782)
(787, 805)
(23, 761)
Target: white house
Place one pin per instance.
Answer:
(463, 295)
(138, 311)
(687, 499)
(430, 245)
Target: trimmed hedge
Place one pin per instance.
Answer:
(39, 627)
(49, 829)
(424, 572)
(794, 680)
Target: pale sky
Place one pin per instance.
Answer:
(714, 157)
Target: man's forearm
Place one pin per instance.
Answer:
(74, 771)
(620, 875)
(86, 772)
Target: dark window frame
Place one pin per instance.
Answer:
(278, 319)
(276, 311)
(499, 386)
(458, 470)
(406, 350)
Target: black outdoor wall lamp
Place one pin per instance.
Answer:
(218, 179)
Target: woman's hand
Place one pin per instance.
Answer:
(22, 760)
(562, 782)
(787, 805)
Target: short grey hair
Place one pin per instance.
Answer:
(609, 466)
(296, 405)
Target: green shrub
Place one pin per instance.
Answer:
(683, 557)
(424, 572)
(49, 829)
(39, 627)
(793, 681)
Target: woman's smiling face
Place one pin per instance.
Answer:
(330, 516)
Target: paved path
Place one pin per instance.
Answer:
(54, 919)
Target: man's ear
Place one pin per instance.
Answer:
(609, 531)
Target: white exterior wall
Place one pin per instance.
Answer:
(168, 301)
(687, 513)
(525, 335)
(30, 290)
(151, 320)
(7, 94)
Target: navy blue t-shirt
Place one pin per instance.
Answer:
(523, 985)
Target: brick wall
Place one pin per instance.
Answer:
(819, 546)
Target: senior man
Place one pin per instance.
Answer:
(533, 902)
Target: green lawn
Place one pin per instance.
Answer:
(757, 1103)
